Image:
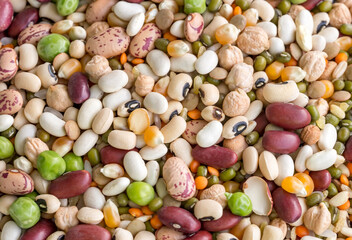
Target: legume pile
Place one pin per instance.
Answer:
(175, 119)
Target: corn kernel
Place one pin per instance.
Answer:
(111, 215)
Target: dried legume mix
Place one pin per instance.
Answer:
(175, 119)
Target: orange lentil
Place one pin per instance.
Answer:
(345, 206)
(292, 62)
(342, 56)
(93, 184)
(349, 166)
(213, 171)
(201, 182)
(123, 58)
(344, 179)
(135, 212)
(137, 61)
(146, 210)
(10, 45)
(169, 36)
(155, 222)
(194, 166)
(302, 231)
(237, 11)
(194, 114)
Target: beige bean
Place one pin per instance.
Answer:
(268, 165)
(102, 121)
(173, 129)
(27, 81)
(90, 215)
(122, 139)
(77, 49)
(85, 142)
(49, 10)
(28, 56)
(34, 109)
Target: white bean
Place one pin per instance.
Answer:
(159, 62)
(116, 186)
(304, 153)
(135, 166)
(10, 231)
(135, 24)
(153, 153)
(126, 10)
(286, 168)
(321, 160)
(182, 149)
(250, 160)
(113, 100)
(28, 56)
(207, 62)
(87, 112)
(6, 122)
(183, 64)
(113, 81)
(153, 169)
(27, 131)
(209, 134)
(85, 142)
(156, 103)
(328, 137)
(94, 198)
(52, 124)
(286, 29)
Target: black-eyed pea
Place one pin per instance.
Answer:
(173, 129)
(66, 217)
(211, 113)
(260, 79)
(234, 126)
(174, 108)
(127, 107)
(56, 235)
(46, 74)
(208, 210)
(77, 49)
(209, 94)
(48, 203)
(179, 86)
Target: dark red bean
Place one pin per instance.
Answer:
(271, 184)
(280, 141)
(215, 156)
(321, 179)
(22, 20)
(286, 205)
(43, 1)
(287, 115)
(87, 232)
(310, 4)
(261, 123)
(71, 184)
(110, 154)
(134, 1)
(6, 13)
(179, 219)
(348, 150)
(78, 88)
(40, 231)
(227, 221)
(201, 235)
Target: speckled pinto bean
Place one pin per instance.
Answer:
(215, 156)
(71, 184)
(280, 141)
(179, 219)
(87, 232)
(227, 221)
(286, 205)
(22, 20)
(6, 12)
(40, 231)
(33, 34)
(8, 64)
(11, 101)
(15, 182)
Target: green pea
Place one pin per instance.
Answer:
(239, 177)
(314, 113)
(239, 203)
(268, 57)
(50, 46)
(283, 57)
(66, 7)
(123, 210)
(94, 156)
(297, 1)
(251, 96)
(259, 63)
(213, 81)
(206, 40)
(331, 118)
(155, 204)
(140, 193)
(213, 180)
(252, 138)
(6, 148)
(50, 165)
(348, 86)
(190, 203)
(343, 134)
(43, 135)
(115, 64)
(339, 147)
(122, 200)
(334, 172)
(214, 5)
(73, 162)
(202, 171)
(302, 87)
(9, 133)
(284, 6)
(325, 6)
(25, 212)
(243, 4)
(195, 47)
(339, 84)
(161, 44)
(227, 175)
(332, 190)
(191, 6)
(314, 199)
(31, 195)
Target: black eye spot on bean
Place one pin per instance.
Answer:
(260, 82)
(217, 113)
(51, 71)
(42, 205)
(209, 218)
(321, 25)
(132, 105)
(186, 87)
(283, 83)
(62, 237)
(173, 114)
(239, 128)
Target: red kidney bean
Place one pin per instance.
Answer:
(134, 1)
(43, 1)
(310, 4)
(287, 115)
(321, 179)
(179, 219)
(110, 154)
(87, 232)
(215, 156)
(40, 231)
(70, 184)
(22, 20)
(271, 184)
(78, 88)
(280, 141)
(261, 123)
(201, 235)
(286, 205)
(227, 221)
(6, 13)
(348, 150)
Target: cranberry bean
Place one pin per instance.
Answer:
(40, 231)
(110, 154)
(201, 235)
(78, 88)
(321, 179)
(271, 184)
(348, 150)
(215, 156)
(87, 232)
(287, 115)
(22, 20)
(261, 123)
(310, 4)
(227, 221)
(286, 205)
(280, 141)
(179, 219)
(6, 12)
(70, 184)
